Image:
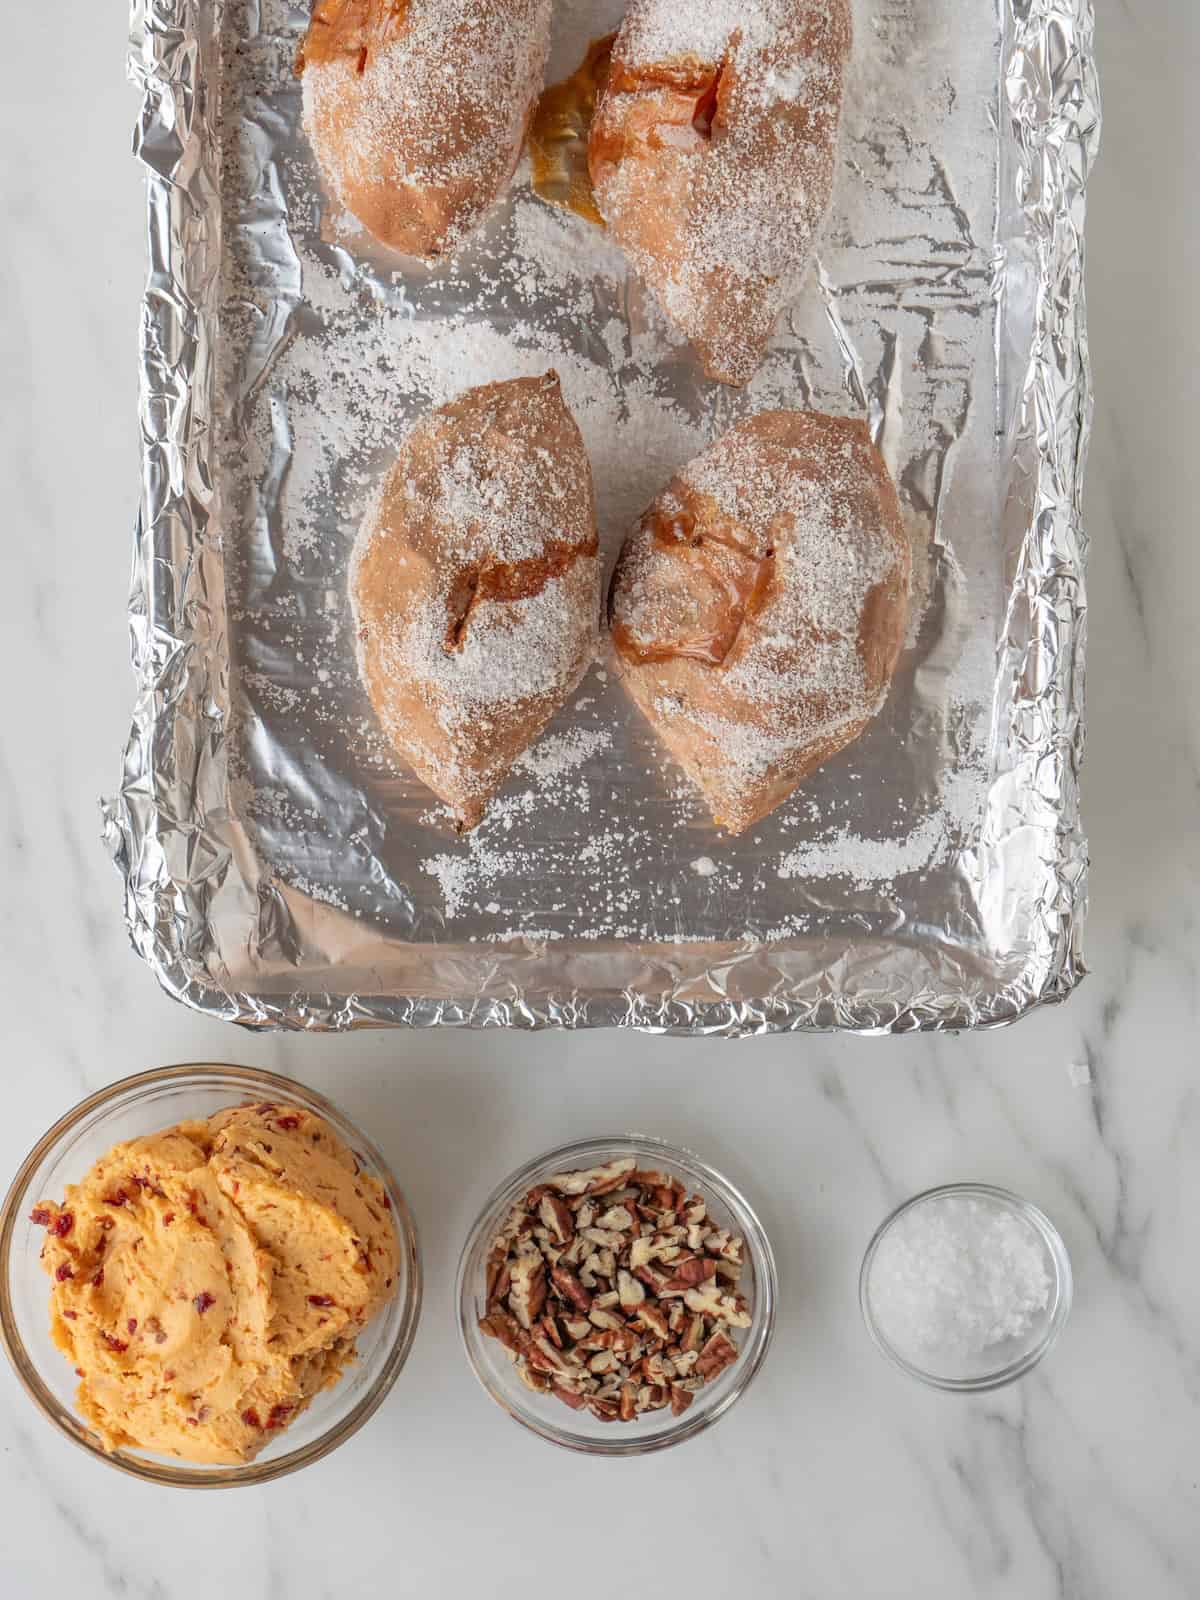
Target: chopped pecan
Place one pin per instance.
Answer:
(688, 1274)
(497, 1269)
(596, 1180)
(694, 1336)
(704, 1301)
(641, 1252)
(681, 1399)
(650, 1180)
(527, 1295)
(708, 1301)
(653, 1278)
(653, 1319)
(569, 1398)
(556, 1215)
(602, 1238)
(572, 1290)
(630, 1292)
(719, 1352)
(613, 1290)
(499, 1325)
(617, 1219)
(658, 1369)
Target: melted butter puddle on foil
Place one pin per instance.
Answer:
(558, 135)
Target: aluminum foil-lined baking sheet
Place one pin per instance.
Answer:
(280, 869)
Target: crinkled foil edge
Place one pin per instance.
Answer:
(169, 827)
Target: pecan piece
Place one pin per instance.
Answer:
(708, 1301)
(556, 1215)
(653, 1319)
(570, 1288)
(497, 1270)
(681, 1399)
(630, 1292)
(527, 1295)
(569, 1398)
(617, 1219)
(720, 1352)
(602, 1238)
(694, 1337)
(596, 1180)
(499, 1325)
(653, 1278)
(659, 1369)
(689, 1274)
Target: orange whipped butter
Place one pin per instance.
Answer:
(211, 1279)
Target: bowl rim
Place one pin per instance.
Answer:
(1059, 1310)
(766, 1297)
(252, 1473)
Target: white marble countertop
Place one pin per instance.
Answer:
(834, 1478)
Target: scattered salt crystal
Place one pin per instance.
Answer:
(1080, 1074)
(704, 866)
(561, 753)
(954, 1276)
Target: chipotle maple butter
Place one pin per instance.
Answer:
(614, 1290)
(210, 1280)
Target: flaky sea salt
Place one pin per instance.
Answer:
(955, 1276)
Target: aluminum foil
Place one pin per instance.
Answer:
(279, 870)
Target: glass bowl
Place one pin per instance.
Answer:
(1008, 1359)
(657, 1430)
(144, 1104)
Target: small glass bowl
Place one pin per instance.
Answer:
(1009, 1359)
(145, 1104)
(655, 1430)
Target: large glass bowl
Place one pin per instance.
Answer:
(655, 1430)
(145, 1104)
